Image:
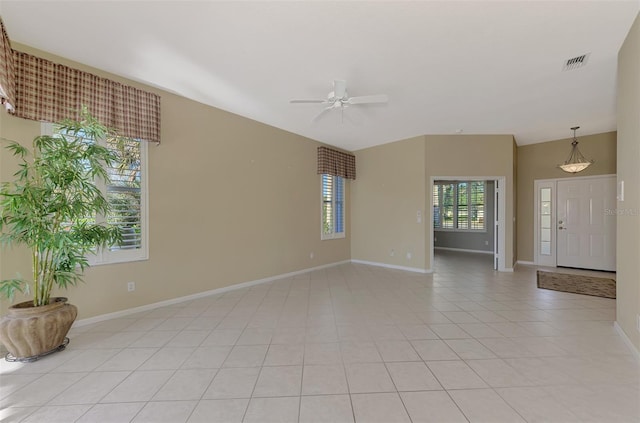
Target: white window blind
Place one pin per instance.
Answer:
(443, 206)
(462, 206)
(332, 207)
(126, 193)
(477, 197)
(459, 206)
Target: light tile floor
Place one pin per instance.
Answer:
(351, 343)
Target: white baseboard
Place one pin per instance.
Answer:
(525, 263)
(393, 266)
(463, 250)
(625, 338)
(147, 307)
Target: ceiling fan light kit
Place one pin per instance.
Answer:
(339, 99)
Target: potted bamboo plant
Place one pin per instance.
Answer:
(49, 208)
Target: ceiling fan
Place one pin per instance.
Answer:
(339, 99)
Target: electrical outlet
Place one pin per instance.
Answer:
(392, 252)
(131, 286)
(486, 243)
(409, 256)
(311, 255)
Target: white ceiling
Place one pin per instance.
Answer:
(477, 66)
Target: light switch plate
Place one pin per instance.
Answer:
(620, 196)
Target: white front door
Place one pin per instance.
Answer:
(586, 225)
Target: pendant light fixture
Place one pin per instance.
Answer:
(576, 161)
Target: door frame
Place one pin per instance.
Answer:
(553, 183)
(500, 209)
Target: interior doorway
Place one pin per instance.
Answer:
(575, 223)
(464, 221)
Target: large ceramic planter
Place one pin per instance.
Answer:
(29, 332)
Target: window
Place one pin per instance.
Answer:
(545, 221)
(126, 193)
(459, 206)
(332, 207)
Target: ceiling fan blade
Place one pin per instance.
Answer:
(368, 99)
(339, 88)
(307, 101)
(322, 113)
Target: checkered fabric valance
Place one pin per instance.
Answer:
(336, 163)
(7, 70)
(48, 91)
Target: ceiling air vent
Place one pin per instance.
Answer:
(576, 62)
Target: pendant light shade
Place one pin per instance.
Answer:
(576, 161)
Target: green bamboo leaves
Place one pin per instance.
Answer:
(50, 204)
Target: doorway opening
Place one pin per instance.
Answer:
(467, 216)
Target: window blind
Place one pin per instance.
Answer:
(463, 206)
(327, 204)
(332, 207)
(459, 205)
(124, 192)
(477, 197)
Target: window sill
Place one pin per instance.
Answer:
(330, 237)
(95, 262)
(472, 231)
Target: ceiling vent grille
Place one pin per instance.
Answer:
(575, 62)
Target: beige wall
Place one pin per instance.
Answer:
(393, 184)
(385, 198)
(231, 200)
(475, 156)
(628, 228)
(539, 161)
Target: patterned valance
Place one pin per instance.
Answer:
(48, 91)
(7, 70)
(336, 163)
